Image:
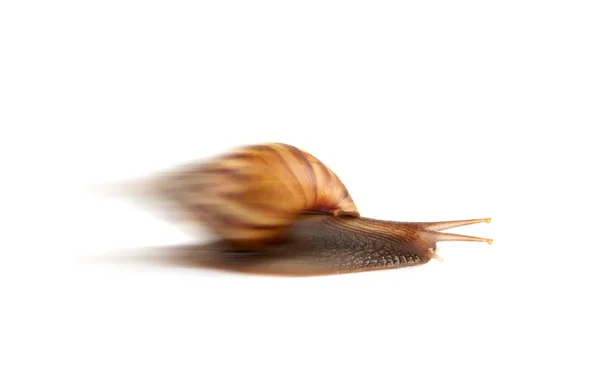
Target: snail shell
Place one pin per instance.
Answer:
(252, 194)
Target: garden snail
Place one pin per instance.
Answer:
(279, 205)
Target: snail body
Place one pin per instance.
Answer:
(275, 204)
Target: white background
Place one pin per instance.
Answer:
(427, 110)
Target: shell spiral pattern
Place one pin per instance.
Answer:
(250, 195)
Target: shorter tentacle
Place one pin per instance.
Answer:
(433, 255)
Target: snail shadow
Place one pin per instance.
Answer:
(216, 257)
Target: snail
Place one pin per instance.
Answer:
(275, 206)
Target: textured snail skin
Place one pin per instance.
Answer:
(317, 244)
(313, 245)
(277, 209)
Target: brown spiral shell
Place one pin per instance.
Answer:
(250, 195)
